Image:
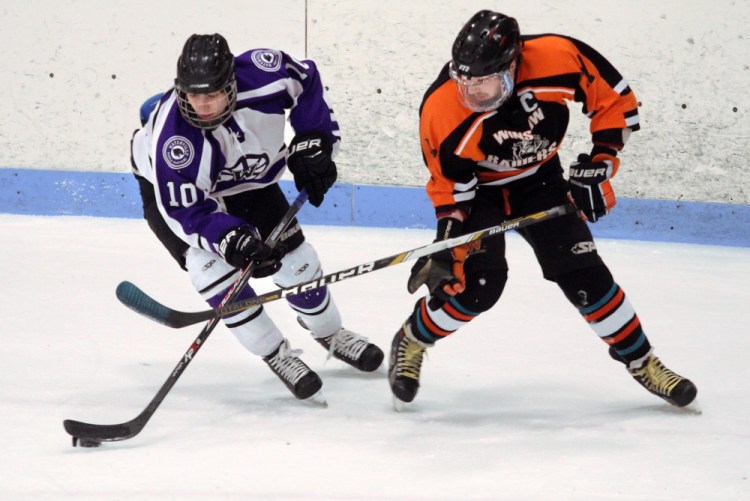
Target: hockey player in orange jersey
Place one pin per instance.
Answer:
(491, 125)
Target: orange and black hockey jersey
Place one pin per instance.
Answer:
(519, 141)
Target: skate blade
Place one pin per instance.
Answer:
(317, 399)
(399, 405)
(692, 408)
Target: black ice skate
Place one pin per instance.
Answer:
(353, 349)
(302, 381)
(661, 381)
(405, 365)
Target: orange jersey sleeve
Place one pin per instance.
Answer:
(561, 68)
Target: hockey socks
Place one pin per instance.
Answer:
(429, 325)
(616, 323)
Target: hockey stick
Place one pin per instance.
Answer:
(137, 300)
(91, 435)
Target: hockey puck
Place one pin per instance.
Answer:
(86, 442)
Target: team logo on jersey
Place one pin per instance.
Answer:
(526, 148)
(178, 152)
(267, 59)
(245, 168)
(533, 147)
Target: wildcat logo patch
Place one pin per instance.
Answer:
(178, 152)
(267, 59)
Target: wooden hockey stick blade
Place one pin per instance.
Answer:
(137, 300)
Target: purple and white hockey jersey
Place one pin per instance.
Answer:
(192, 169)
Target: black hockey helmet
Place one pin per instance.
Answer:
(484, 60)
(206, 66)
(488, 43)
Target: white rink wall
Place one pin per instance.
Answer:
(75, 73)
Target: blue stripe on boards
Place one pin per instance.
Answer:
(69, 193)
(75, 193)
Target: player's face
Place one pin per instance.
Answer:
(484, 88)
(208, 106)
(486, 92)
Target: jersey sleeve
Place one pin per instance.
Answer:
(607, 98)
(267, 76)
(311, 109)
(442, 125)
(564, 68)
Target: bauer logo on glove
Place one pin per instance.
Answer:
(589, 187)
(310, 160)
(242, 245)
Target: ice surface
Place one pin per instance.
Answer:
(523, 403)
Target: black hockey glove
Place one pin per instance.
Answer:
(589, 187)
(242, 245)
(443, 271)
(309, 161)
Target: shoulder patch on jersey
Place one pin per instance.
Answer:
(178, 152)
(267, 59)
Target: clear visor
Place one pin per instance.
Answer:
(484, 93)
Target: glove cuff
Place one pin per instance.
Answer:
(227, 244)
(613, 163)
(226, 241)
(306, 142)
(449, 226)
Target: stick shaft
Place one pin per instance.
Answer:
(139, 301)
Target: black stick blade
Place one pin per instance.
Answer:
(86, 432)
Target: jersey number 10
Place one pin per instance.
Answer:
(188, 195)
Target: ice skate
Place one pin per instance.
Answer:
(353, 349)
(404, 366)
(302, 381)
(662, 382)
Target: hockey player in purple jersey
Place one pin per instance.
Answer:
(208, 160)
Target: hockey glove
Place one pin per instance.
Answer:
(589, 187)
(242, 245)
(309, 160)
(443, 271)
